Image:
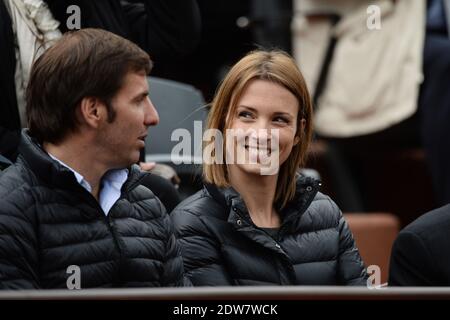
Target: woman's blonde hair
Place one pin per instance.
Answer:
(278, 67)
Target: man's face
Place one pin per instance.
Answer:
(123, 139)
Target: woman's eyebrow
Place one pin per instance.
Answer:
(283, 114)
(247, 107)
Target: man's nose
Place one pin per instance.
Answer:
(151, 116)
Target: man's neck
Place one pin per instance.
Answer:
(81, 157)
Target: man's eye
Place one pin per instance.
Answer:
(140, 100)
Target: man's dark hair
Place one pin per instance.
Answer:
(85, 63)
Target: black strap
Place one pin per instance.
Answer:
(321, 82)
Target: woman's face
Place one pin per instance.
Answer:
(263, 107)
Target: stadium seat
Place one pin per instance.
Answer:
(374, 234)
(180, 106)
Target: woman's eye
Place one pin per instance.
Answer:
(281, 120)
(245, 114)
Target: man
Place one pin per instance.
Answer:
(420, 254)
(74, 197)
(166, 29)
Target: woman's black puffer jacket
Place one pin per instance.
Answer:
(222, 246)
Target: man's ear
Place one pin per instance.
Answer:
(92, 111)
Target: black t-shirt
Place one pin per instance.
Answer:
(273, 232)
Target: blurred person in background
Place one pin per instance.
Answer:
(435, 98)
(365, 81)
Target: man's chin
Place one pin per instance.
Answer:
(127, 163)
(134, 160)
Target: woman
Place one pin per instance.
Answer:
(249, 228)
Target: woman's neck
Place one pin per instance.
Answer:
(258, 193)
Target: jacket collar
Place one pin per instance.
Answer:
(51, 171)
(306, 189)
(239, 218)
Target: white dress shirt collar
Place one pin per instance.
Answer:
(110, 185)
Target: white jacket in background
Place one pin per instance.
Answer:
(35, 30)
(375, 75)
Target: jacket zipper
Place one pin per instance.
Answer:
(279, 265)
(111, 227)
(110, 224)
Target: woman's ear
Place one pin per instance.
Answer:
(303, 124)
(302, 130)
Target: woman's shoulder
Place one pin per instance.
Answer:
(322, 213)
(199, 204)
(198, 215)
(308, 194)
(325, 203)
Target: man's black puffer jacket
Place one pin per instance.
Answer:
(48, 222)
(222, 246)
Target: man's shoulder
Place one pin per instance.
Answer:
(139, 195)
(419, 252)
(14, 178)
(431, 226)
(16, 195)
